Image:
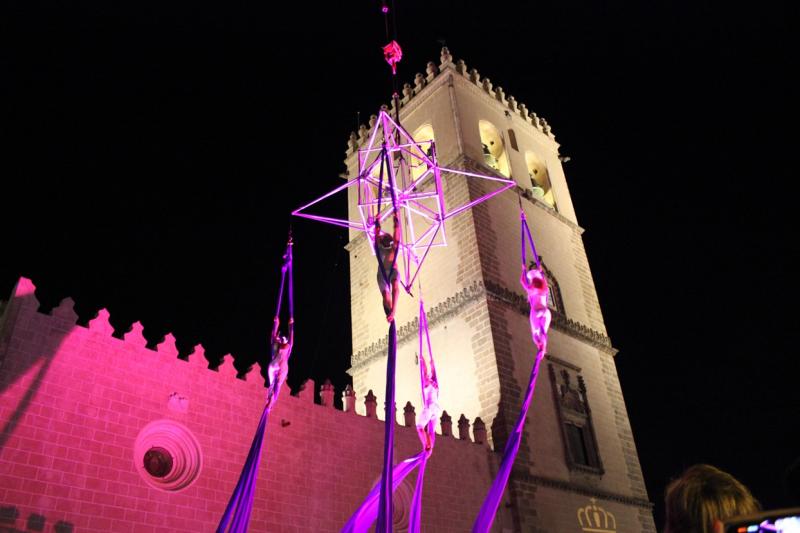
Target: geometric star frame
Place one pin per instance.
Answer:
(398, 172)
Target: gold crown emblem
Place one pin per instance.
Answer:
(595, 519)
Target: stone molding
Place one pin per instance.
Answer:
(560, 321)
(454, 304)
(408, 331)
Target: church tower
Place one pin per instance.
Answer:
(577, 468)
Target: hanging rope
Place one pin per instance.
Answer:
(535, 284)
(237, 512)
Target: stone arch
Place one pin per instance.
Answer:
(422, 135)
(541, 188)
(494, 149)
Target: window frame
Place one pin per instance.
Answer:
(573, 410)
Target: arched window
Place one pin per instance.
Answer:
(494, 150)
(424, 137)
(540, 179)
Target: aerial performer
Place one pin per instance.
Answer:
(431, 410)
(281, 350)
(386, 248)
(237, 513)
(535, 285)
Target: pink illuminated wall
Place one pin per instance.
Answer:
(79, 409)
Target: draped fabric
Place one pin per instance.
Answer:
(374, 505)
(385, 511)
(489, 508)
(527, 240)
(237, 512)
(367, 512)
(431, 411)
(540, 321)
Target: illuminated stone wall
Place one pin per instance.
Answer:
(480, 331)
(79, 410)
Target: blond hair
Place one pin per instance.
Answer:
(702, 495)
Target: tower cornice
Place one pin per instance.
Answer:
(478, 290)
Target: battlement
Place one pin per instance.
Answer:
(459, 67)
(63, 316)
(83, 408)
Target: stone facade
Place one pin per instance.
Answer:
(80, 409)
(478, 314)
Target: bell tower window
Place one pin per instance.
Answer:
(539, 179)
(424, 137)
(494, 150)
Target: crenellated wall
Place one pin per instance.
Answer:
(79, 409)
(432, 71)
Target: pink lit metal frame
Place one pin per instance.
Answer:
(393, 162)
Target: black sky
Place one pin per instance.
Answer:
(152, 152)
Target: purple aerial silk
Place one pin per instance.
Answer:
(526, 238)
(367, 512)
(385, 510)
(237, 512)
(483, 522)
(488, 510)
(375, 504)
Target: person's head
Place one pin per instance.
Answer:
(385, 240)
(702, 496)
(535, 277)
(281, 341)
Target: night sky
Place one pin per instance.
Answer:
(152, 152)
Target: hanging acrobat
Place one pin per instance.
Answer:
(386, 246)
(237, 512)
(534, 282)
(431, 410)
(535, 285)
(281, 346)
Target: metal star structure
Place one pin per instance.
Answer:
(399, 173)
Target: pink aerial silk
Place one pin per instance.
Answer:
(363, 518)
(535, 285)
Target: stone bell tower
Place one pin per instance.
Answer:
(578, 451)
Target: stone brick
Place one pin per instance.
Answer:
(84, 464)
